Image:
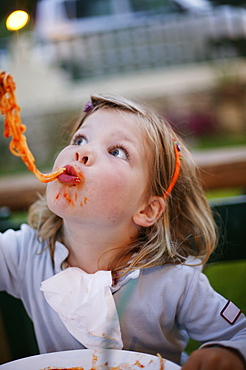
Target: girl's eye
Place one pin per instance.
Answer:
(79, 140)
(119, 152)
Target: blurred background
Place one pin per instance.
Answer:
(186, 58)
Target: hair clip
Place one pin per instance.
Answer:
(88, 107)
(177, 169)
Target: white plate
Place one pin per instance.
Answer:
(88, 359)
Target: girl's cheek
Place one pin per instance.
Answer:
(61, 159)
(51, 195)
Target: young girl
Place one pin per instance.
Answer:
(113, 256)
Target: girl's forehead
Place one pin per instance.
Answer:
(114, 119)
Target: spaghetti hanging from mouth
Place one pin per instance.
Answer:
(15, 128)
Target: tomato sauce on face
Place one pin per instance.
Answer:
(73, 182)
(71, 176)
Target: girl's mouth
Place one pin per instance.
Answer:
(70, 176)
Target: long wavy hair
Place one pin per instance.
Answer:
(186, 227)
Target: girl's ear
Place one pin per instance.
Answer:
(151, 212)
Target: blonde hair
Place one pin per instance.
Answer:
(186, 227)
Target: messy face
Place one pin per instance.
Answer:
(107, 172)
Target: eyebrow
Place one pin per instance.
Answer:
(118, 135)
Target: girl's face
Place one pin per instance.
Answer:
(108, 155)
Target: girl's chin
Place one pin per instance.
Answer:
(64, 204)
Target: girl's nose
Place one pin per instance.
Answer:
(84, 156)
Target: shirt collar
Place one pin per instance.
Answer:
(61, 253)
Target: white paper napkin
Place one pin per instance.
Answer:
(86, 306)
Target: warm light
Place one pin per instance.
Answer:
(17, 20)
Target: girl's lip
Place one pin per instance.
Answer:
(70, 176)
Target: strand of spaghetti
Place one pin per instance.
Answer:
(161, 361)
(15, 128)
